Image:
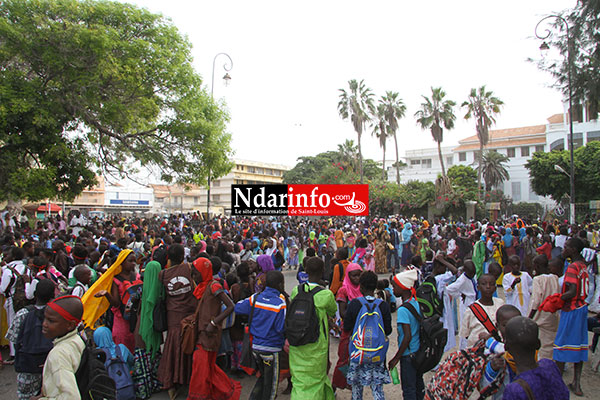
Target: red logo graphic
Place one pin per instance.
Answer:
(328, 200)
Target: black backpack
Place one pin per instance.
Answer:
(432, 341)
(428, 298)
(93, 380)
(160, 254)
(301, 321)
(32, 346)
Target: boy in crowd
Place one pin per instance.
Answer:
(309, 362)
(465, 290)
(471, 327)
(517, 286)
(61, 318)
(82, 275)
(540, 380)
(413, 387)
(267, 310)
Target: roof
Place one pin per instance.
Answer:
(500, 134)
(503, 143)
(556, 119)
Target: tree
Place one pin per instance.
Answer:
(105, 87)
(394, 110)
(356, 104)
(483, 106)
(584, 26)
(547, 181)
(380, 130)
(494, 169)
(348, 153)
(463, 180)
(436, 112)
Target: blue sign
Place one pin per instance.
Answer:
(131, 202)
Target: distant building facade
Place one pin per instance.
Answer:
(518, 144)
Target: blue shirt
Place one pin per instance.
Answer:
(406, 317)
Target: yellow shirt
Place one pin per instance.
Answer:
(59, 370)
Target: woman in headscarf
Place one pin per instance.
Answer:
(113, 293)
(103, 339)
(349, 291)
(507, 238)
(208, 381)
(265, 263)
(407, 233)
(147, 342)
(383, 237)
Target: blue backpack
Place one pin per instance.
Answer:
(118, 370)
(32, 347)
(368, 343)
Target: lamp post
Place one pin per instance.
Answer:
(227, 67)
(544, 47)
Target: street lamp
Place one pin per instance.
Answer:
(560, 169)
(545, 47)
(227, 67)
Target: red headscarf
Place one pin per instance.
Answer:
(204, 266)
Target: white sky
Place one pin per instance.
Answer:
(290, 59)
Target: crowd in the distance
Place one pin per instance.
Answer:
(181, 304)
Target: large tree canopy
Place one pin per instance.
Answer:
(547, 181)
(99, 85)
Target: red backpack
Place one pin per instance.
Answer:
(459, 375)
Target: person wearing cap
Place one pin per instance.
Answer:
(413, 387)
(61, 318)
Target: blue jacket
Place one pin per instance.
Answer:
(267, 327)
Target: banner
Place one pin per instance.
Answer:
(300, 200)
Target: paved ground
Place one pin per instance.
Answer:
(590, 380)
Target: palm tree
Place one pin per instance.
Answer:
(483, 106)
(494, 169)
(357, 104)
(434, 113)
(348, 154)
(380, 130)
(394, 110)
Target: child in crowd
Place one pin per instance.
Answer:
(121, 357)
(465, 290)
(471, 327)
(517, 286)
(309, 362)
(495, 269)
(540, 380)
(61, 318)
(444, 272)
(428, 266)
(374, 375)
(267, 310)
(413, 387)
(545, 283)
(24, 332)
(82, 276)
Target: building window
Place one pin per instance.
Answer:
(557, 145)
(196, 200)
(516, 191)
(240, 167)
(525, 151)
(593, 136)
(539, 148)
(577, 140)
(159, 199)
(216, 183)
(510, 152)
(449, 160)
(462, 156)
(259, 170)
(415, 162)
(592, 111)
(216, 197)
(251, 170)
(426, 163)
(577, 113)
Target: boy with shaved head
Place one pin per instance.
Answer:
(61, 318)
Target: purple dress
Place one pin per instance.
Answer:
(545, 383)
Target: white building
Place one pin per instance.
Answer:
(517, 143)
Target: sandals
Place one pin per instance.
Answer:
(572, 389)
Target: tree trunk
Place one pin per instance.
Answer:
(397, 161)
(360, 160)
(441, 160)
(384, 171)
(480, 170)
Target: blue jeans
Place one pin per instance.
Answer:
(413, 387)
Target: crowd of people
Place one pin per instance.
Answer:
(178, 303)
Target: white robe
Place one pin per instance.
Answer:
(521, 294)
(464, 291)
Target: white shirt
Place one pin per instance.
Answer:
(7, 276)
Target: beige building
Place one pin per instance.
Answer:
(177, 198)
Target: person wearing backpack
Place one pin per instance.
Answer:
(13, 284)
(267, 310)
(61, 317)
(413, 387)
(307, 331)
(339, 269)
(370, 322)
(31, 346)
(118, 364)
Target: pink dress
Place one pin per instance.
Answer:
(120, 330)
